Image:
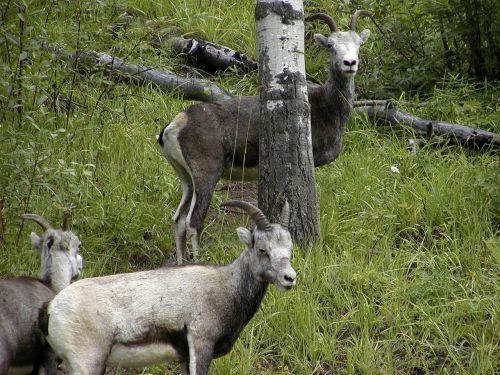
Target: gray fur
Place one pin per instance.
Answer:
(188, 314)
(23, 302)
(209, 138)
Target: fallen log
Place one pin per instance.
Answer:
(455, 133)
(189, 88)
(209, 56)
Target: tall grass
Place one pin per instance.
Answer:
(405, 277)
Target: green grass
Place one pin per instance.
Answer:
(405, 277)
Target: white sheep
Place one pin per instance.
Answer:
(188, 314)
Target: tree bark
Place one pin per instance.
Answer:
(286, 166)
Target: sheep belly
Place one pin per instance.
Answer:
(137, 356)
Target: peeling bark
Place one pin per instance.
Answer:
(286, 166)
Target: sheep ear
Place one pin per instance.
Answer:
(365, 34)
(50, 241)
(245, 236)
(321, 40)
(36, 241)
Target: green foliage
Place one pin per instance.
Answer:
(404, 278)
(415, 44)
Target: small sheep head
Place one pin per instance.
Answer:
(61, 260)
(270, 246)
(343, 46)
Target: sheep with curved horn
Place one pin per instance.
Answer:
(23, 301)
(208, 140)
(189, 314)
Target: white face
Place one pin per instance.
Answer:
(272, 251)
(73, 246)
(61, 258)
(343, 47)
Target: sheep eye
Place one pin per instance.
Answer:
(263, 251)
(329, 45)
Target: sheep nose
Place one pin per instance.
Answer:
(290, 277)
(350, 62)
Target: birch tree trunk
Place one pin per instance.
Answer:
(286, 166)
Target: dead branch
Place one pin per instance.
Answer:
(361, 103)
(210, 56)
(457, 133)
(189, 88)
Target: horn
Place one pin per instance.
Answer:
(67, 216)
(255, 213)
(359, 13)
(44, 223)
(326, 18)
(285, 215)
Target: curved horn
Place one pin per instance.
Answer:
(285, 215)
(356, 15)
(256, 214)
(44, 223)
(324, 17)
(67, 216)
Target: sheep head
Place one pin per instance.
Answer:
(343, 46)
(60, 252)
(269, 246)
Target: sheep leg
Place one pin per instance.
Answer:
(5, 358)
(179, 218)
(89, 362)
(203, 191)
(200, 355)
(184, 368)
(49, 361)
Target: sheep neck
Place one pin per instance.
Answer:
(248, 291)
(339, 93)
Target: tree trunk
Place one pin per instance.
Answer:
(286, 166)
(474, 35)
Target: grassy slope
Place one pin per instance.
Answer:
(405, 278)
